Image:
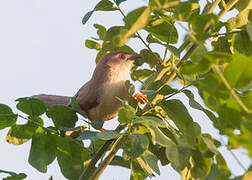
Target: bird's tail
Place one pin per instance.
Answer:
(53, 99)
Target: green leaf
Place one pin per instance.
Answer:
(239, 72)
(178, 113)
(118, 2)
(108, 134)
(7, 117)
(19, 134)
(129, 87)
(31, 106)
(105, 5)
(194, 104)
(249, 30)
(97, 124)
(201, 166)
(162, 30)
(177, 155)
(70, 158)
(149, 57)
(242, 43)
(62, 116)
(76, 107)
(135, 145)
(140, 74)
(43, 150)
(144, 166)
(151, 120)
(151, 160)
(91, 135)
(134, 21)
(92, 45)
(126, 114)
(87, 16)
(19, 176)
(159, 136)
(101, 30)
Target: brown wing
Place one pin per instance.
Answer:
(89, 94)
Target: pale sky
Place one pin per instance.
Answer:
(43, 51)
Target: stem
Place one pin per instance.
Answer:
(238, 100)
(116, 146)
(34, 122)
(213, 6)
(88, 170)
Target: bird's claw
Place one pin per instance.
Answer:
(142, 98)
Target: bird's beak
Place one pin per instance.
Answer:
(135, 57)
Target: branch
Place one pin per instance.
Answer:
(88, 170)
(116, 146)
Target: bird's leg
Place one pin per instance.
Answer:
(142, 98)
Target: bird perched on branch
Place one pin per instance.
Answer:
(98, 96)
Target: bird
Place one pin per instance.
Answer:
(98, 96)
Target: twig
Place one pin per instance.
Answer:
(238, 100)
(88, 170)
(116, 146)
(34, 122)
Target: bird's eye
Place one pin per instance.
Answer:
(122, 57)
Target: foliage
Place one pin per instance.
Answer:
(221, 72)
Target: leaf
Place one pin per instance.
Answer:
(239, 72)
(19, 134)
(135, 145)
(97, 124)
(241, 43)
(144, 166)
(118, 2)
(91, 135)
(134, 21)
(69, 157)
(31, 106)
(162, 30)
(105, 5)
(159, 136)
(43, 150)
(151, 160)
(177, 155)
(92, 45)
(249, 30)
(129, 87)
(7, 117)
(149, 57)
(194, 104)
(101, 30)
(140, 74)
(87, 16)
(108, 134)
(151, 120)
(126, 114)
(62, 116)
(19, 176)
(178, 113)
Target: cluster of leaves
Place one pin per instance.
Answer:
(221, 73)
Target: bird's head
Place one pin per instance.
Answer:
(119, 59)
